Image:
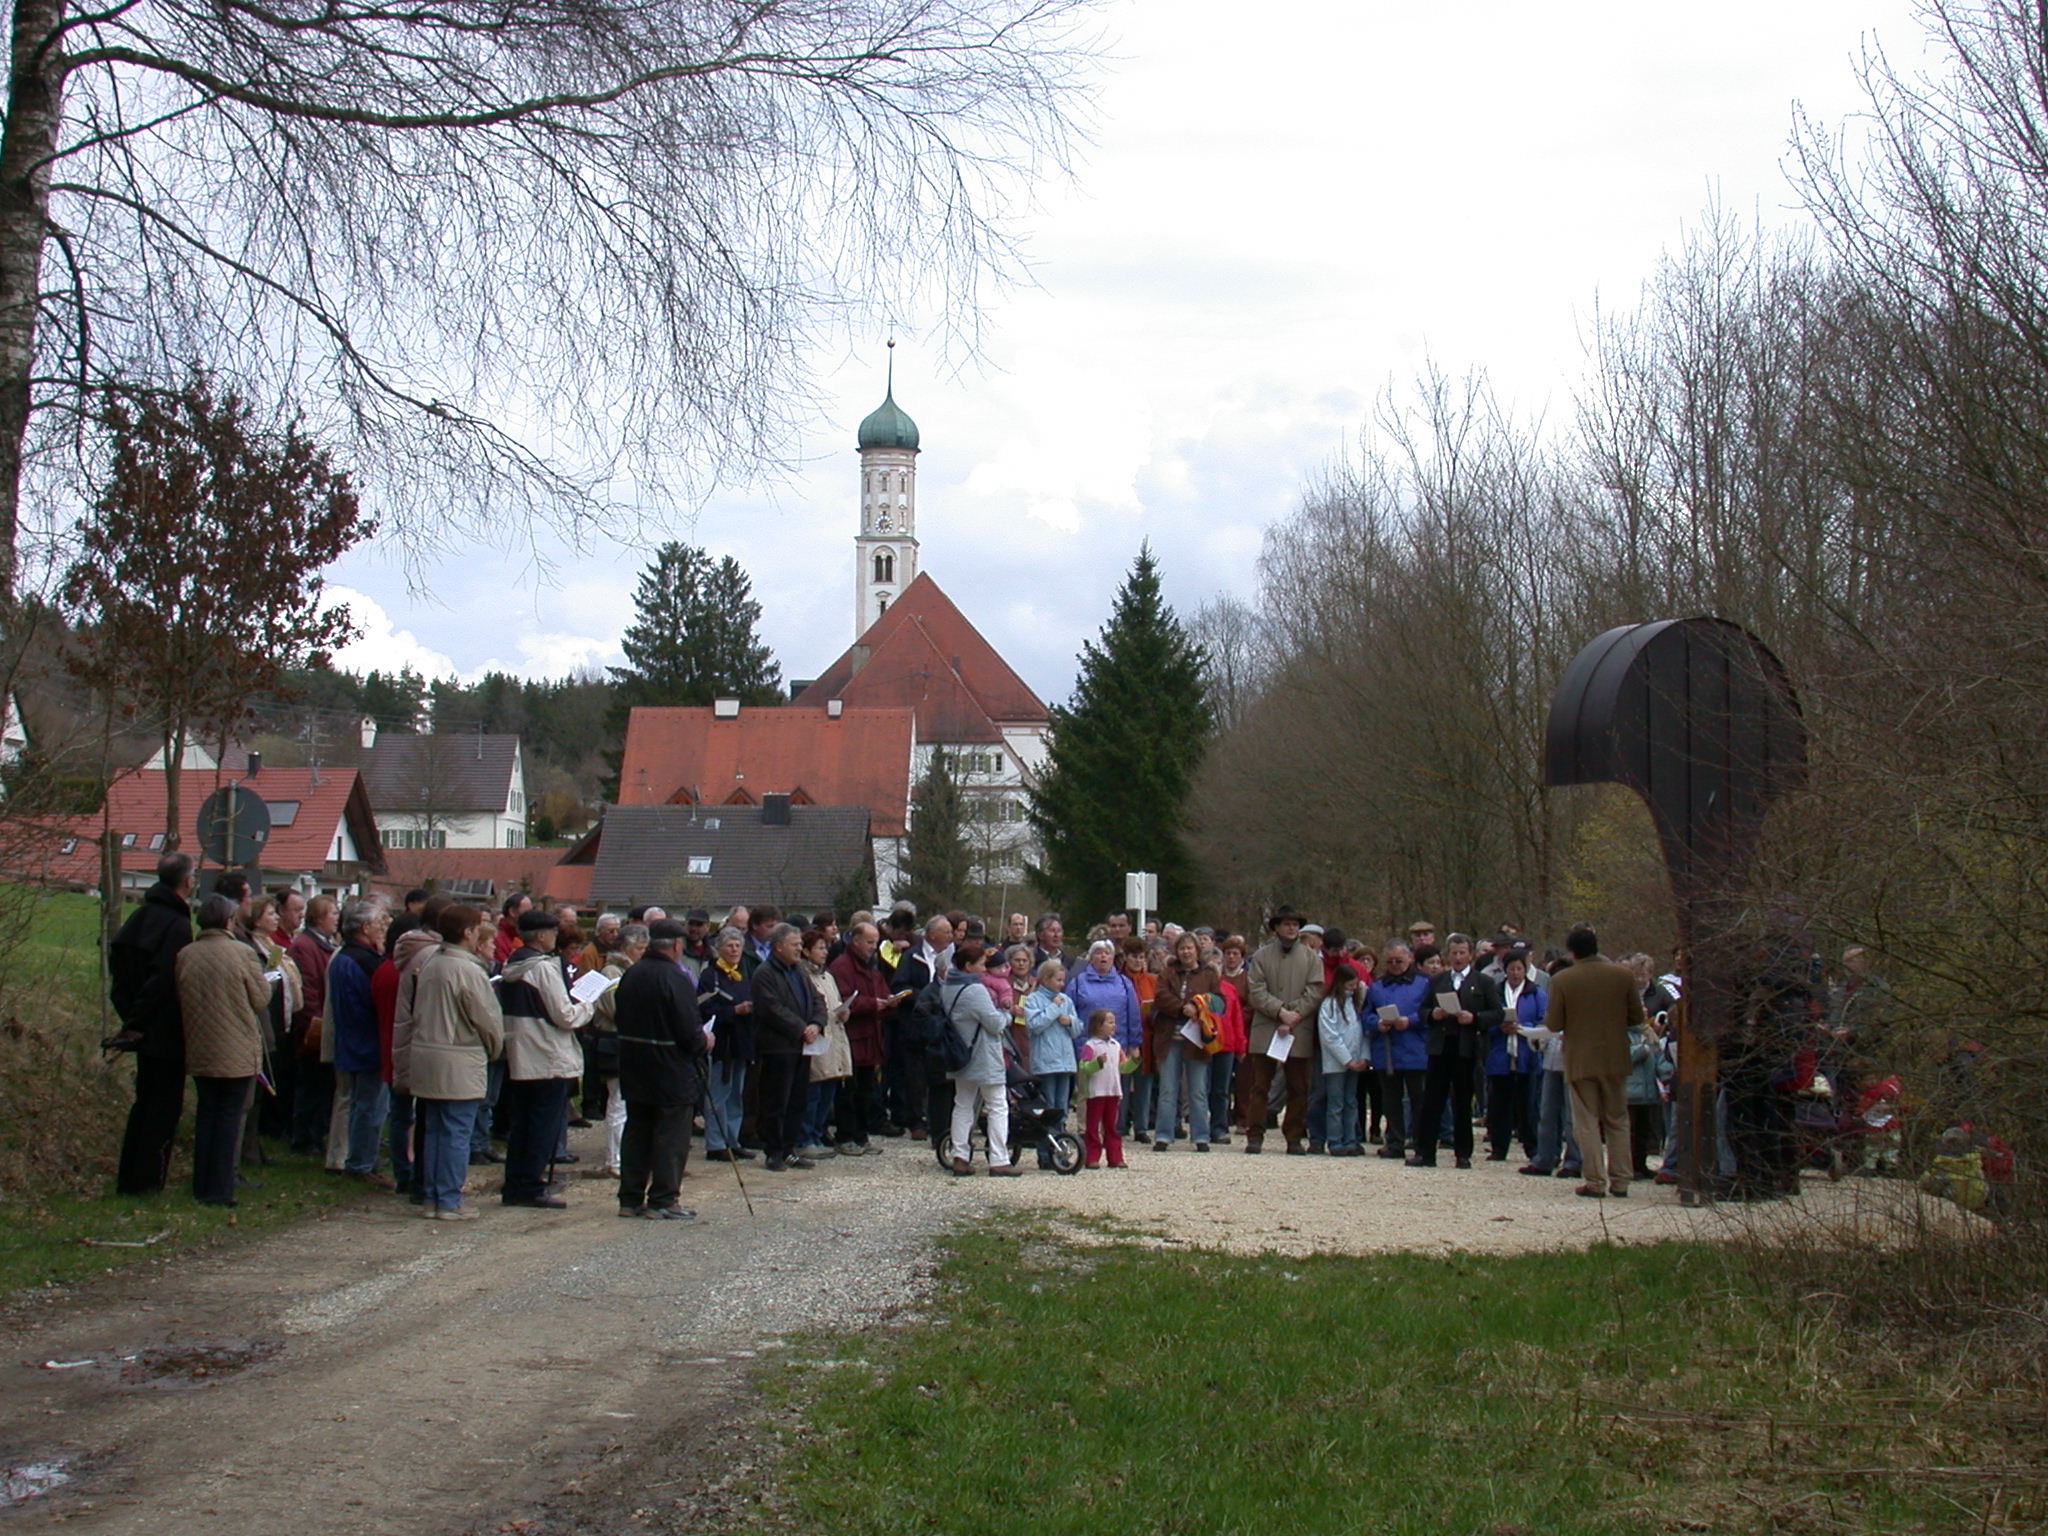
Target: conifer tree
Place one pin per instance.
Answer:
(1122, 758)
(692, 638)
(936, 855)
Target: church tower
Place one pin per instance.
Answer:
(885, 550)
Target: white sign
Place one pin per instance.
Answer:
(1141, 892)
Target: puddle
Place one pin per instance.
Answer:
(195, 1365)
(174, 1366)
(31, 1480)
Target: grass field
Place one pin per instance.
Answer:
(62, 1105)
(1123, 1389)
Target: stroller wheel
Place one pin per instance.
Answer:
(1065, 1148)
(943, 1153)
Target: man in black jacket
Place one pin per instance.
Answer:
(661, 1063)
(1457, 1042)
(788, 1015)
(143, 965)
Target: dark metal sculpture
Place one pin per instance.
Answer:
(1698, 717)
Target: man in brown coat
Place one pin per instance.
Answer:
(223, 997)
(1592, 1004)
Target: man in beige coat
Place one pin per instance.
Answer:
(1286, 983)
(224, 1000)
(1593, 1003)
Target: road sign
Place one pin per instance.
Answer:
(1141, 892)
(234, 824)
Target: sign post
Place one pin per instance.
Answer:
(1141, 892)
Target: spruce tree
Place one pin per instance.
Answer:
(692, 638)
(1122, 758)
(936, 856)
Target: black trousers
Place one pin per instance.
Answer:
(850, 1106)
(1448, 1080)
(1760, 1129)
(536, 1110)
(653, 1149)
(217, 1136)
(1511, 1111)
(938, 1102)
(903, 1070)
(785, 1089)
(1401, 1103)
(152, 1125)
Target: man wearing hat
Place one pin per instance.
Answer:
(661, 1058)
(543, 1058)
(1286, 982)
(1420, 931)
(693, 949)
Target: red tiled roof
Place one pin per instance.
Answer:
(135, 803)
(683, 754)
(923, 654)
(506, 869)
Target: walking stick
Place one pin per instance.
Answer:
(732, 1145)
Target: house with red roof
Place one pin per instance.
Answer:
(323, 836)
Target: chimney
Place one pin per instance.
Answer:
(369, 733)
(725, 709)
(834, 708)
(775, 810)
(255, 764)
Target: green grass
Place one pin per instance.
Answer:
(1118, 1390)
(62, 1108)
(45, 1243)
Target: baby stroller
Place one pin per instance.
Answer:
(1033, 1123)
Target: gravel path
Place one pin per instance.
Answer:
(373, 1371)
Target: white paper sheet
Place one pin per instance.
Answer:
(1281, 1045)
(818, 1047)
(1536, 1033)
(1389, 1013)
(1191, 1032)
(1448, 1001)
(591, 986)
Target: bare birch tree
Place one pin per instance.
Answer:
(501, 251)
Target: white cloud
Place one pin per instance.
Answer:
(380, 645)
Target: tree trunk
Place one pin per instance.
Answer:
(33, 113)
(174, 763)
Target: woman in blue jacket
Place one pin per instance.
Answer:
(1513, 1064)
(1400, 1045)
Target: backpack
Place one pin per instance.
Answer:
(931, 1021)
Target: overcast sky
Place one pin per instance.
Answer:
(1288, 208)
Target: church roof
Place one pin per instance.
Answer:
(923, 655)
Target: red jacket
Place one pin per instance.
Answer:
(507, 941)
(865, 991)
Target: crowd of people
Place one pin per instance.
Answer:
(409, 1047)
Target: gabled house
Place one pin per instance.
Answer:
(458, 790)
(801, 857)
(730, 754)
(323, 836)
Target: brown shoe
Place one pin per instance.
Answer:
(1007, 1171)
(1618, 1191)
(1591, 1192)
(962, 1168)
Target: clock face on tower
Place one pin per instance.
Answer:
(885, 522)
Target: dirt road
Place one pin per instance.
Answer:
(535, 1371)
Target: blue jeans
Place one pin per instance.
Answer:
(403, 1111)
(1141, 1089)
(1182, 1081)
(487, 1108)
(369, 1103)
(1318, 1109)
(725, 1106)
(818, 1110)
(1554, 1125)
(1222, 1073)
(444, 1159)
(1340, 1109)
(1058, 1088)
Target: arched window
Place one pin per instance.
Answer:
(885, 566)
